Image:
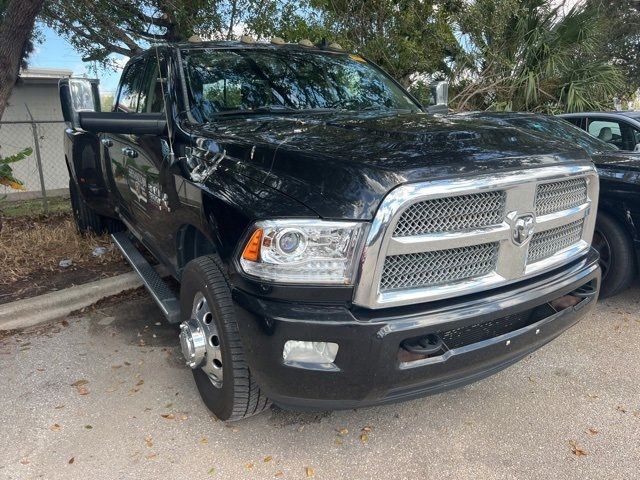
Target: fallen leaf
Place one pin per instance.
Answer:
(620, 408)
(338, 441)
(592, 431)
(58, 407)
(576, 450)
(168, 405)
(204, 440)
(149, 441)
(168, 416)
(342, 432)
(140, 382)
(88, 427)
(151, 455)
(55, 427)
(127, 364)
(79, 383)
(24, 461)
(268, 458)
(364, 438)
(211, 472)
(366, 429)
(71, 460)
(249, 466)
(279, 473)
(83, 391)
(310, 472)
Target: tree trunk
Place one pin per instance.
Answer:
(15, 31)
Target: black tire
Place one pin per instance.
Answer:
(617, 260)
(88, 221)
(239, 396)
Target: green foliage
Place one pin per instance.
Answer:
(528, 55)
(621, 47)
(405, 37)
(6, 173)
(98, 28)
(498, 54)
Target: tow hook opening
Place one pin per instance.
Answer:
(419, 348)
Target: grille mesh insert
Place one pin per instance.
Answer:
(558, 196)
(452, 214)
(546, 244)
(426, 269)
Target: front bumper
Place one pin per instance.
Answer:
(369, 371)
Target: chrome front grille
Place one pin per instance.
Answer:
(446, 238)
(452, 214)
(558, 196)
(549, 242)
(427, 269)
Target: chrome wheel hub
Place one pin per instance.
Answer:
(192, 342)
(200, 341)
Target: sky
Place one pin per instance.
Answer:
(56, 52)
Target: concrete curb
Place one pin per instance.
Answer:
(55, 305)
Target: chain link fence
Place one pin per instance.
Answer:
(44, 173)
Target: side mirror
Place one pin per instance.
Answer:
(125, 123)
(439, 96)
(78, 95)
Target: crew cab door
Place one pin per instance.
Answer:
(121, 149)
(140, 162)
(80, 96)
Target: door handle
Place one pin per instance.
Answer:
(129, 152)
(107, 142)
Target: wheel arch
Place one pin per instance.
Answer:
(192, 243)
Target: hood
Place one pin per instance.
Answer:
(341, 165)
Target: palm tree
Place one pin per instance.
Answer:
(529, 55)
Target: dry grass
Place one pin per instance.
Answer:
(35, 245)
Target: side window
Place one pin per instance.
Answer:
(577, 121)
(614, 132)
(154, 85)
(607, 131)
(129, 90)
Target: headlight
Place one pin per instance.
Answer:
(303, 251)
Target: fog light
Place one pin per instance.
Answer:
(309, 353)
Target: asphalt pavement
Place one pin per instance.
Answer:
(105, 395)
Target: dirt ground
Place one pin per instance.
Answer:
(106, 396)
(32, 246)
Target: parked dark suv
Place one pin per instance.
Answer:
(336, 245)
(617, 233)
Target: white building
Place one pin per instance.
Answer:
(35, 98)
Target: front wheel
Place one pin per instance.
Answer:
(211, 343)
(617, 260)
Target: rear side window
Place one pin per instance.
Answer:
(130, 87)
(577, 121)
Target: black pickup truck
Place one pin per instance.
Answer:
(336, 245)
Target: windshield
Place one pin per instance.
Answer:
(560, 128)
(255, 80)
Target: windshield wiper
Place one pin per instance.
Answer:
(262, 109)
